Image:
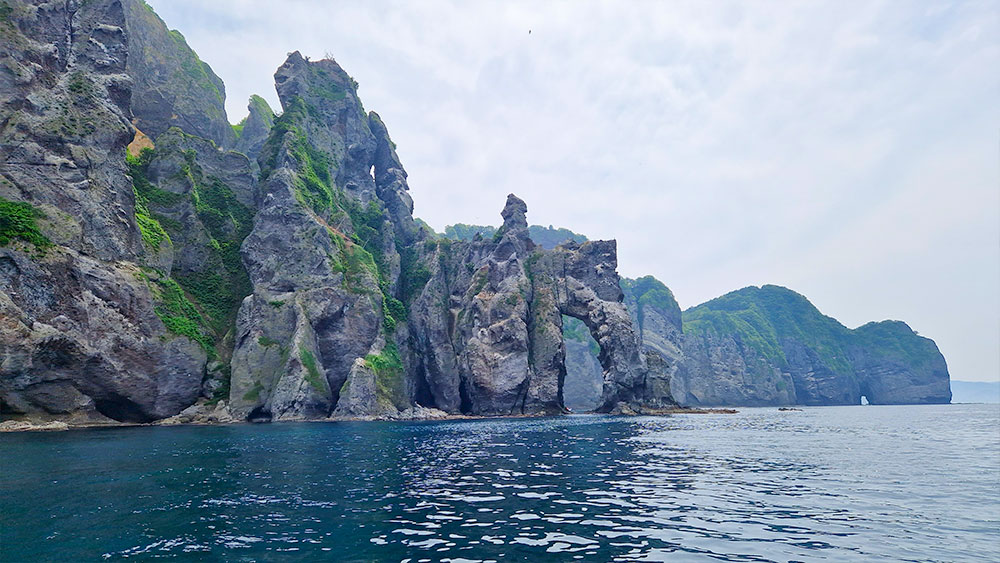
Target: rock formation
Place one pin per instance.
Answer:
(491, 318)
(157, 263)
(80, 333)
(255, 128)
(172, 86)
(769, 346)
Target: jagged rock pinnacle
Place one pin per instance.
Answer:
(514, 214)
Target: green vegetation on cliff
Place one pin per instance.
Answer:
(363, 252)
(238, 127)
(17, 222)
(173, 86)
(223, 283)
(153, 234)
(896, 339)
(313, 376)
(200, 304)
(761, 318)
(651, 292)
(388, 369)
(178, 313)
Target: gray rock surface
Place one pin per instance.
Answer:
(321, 258)
(490, 322)
(80, 335)
(192, 284)
(769, 346)
(64, 97)
(173, 86)
(256, 128)
(81, 330)
(896, 366)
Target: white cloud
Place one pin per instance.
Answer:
(845, 149)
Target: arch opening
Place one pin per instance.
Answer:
(583, 385)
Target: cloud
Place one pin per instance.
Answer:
(845, 149)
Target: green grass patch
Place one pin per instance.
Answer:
(326, 87)
(238, 127)
(180, 315)
(223, 282)
(313, 376)
(18, 222)
(152, 231)
(388, 369)
(254, 393)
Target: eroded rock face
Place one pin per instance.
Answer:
(64, 97)
(657, 316)
(256, 128)
(720, 371)
(80, 329)
(896, 366)
(490, 322)
(322, 259)
(80, 336)
(769, 346)
(173, 87)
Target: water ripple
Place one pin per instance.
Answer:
(841, 484)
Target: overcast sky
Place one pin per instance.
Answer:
(847, 150)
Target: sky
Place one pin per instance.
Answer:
(849, 150)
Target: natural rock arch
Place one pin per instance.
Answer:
(498, 347)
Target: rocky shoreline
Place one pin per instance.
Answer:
(218, 415)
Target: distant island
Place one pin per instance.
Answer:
(160, 264)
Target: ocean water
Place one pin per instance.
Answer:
(915, 483)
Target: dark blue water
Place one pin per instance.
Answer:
(830, 484)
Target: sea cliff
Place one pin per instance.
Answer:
(160, 264)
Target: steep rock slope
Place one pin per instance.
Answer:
(84, 331)
(657, 316)
(322, 257)
(135, 285)
(357, 310)
(252, 132)
(895, 366)
(173, 87)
